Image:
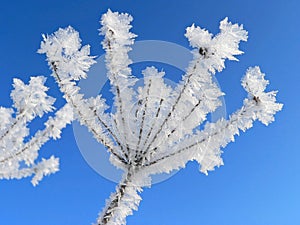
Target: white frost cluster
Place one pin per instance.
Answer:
(18, 158)
(32, 100)
(255, 84)
(64, 46)
(154, 128)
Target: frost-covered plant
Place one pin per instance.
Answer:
(154, 129)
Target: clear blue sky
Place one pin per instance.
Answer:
(260, 182)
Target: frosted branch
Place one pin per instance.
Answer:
(70, 61)
(117, 43)
(205, 145)
(38, 171)
(197, 94)
(12, 158)
(126, 199)
(86, 115)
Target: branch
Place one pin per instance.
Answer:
(218, 136)
(153, 124)
(17, 123)
(123, 201)
(75, 100)
(53, 128)
(209, 56)
(154, 89)
(117, 42)
(28, 152)
(39, 170)
(30, 100)
(169, 114)
(70, 62)
(204, 146)
(143, 115)
(97, 106)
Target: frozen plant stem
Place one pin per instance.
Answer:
(111, 213)
(71, 99)
(154, 129)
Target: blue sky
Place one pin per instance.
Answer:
(260, 182)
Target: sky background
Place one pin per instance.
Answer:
(260, 182)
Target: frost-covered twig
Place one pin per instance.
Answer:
(197, 95)
(32, 101)
(205, 145)
(38, 171)
(53, 127)
(70, 62)
(86, 114)
(124, 200)
(154, 91)
(117, 43)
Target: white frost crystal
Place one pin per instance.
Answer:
(64, 46)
